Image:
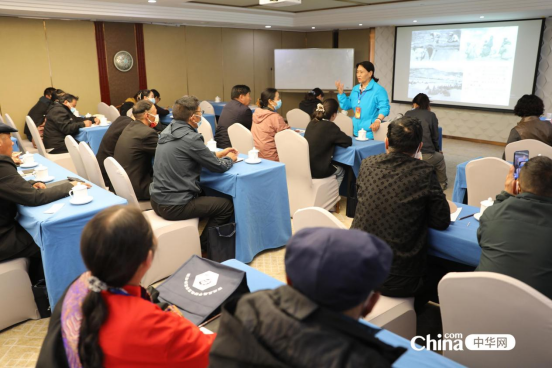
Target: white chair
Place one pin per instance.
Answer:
(241, 138)
(62, 159)
(25, 145)
(205, 130)
(532, 145)
(73, 148)
(129, 113)
(491, 303)
(91, 165)
(113, 113)
(381, 134)
(344, 123)
(303, 190)
(485, 178)
(103, 109)
(207, 108)
(177, 241)
(297, 118)
(394, 314)
(17, 302)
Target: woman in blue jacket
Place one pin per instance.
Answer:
(368, 100)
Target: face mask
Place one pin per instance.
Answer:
(155, 121)
(418, 154)
(152, 100)
(278, 105)
(200, 120)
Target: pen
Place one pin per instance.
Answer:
(465, 217)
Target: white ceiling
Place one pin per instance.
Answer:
(187, 12)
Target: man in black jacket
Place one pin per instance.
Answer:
(15, 242)
(312, 321)
(515, 233)
(135, 148)
(235, 111)
(61, 121)
(39, 110)
(399, 197)
(109, 141)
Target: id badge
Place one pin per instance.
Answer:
(357, 112)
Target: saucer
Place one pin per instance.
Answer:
(477, 216)
(47, 180)
(362, 140)
(85, 200)
(32, 164)
(258, 161)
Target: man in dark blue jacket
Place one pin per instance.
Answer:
(235, 111)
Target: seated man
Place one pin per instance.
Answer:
(15, 242)
(235, 111)
(515, 234)
(156, 99)
(135, 148)
(61, 121)
(180, 155)
(109, 140)
(529, 108)
(399, 197)
(332, 275)
(39, 110)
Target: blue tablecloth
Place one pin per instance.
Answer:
(58, 235)
(15, 145)
(459, 242)
(209, 117)
(257, 280)
(92, 135)
(261, 204)
(460, 183)
(353, 155)
(218, 106)
(441, 138)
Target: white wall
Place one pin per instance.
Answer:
(489, 126)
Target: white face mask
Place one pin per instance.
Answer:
(418, 154)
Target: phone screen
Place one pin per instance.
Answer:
(520, 158)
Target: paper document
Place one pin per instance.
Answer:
(454, 216)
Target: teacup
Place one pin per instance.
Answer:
(253, 155)
(41, 173)
(362, 134)
(549, 116)
(485, 204)
(28, 158)
(103, 120)
(217, 99)
(79, 192)
(212, 144)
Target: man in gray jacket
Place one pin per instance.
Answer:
(180, 155)
(515, 233)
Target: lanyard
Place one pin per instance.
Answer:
(360, 94)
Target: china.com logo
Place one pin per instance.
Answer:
(452, 341)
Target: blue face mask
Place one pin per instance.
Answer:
(278, 105)
(152, 100)
(73, 110)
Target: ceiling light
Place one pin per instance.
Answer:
(360, 24)
(268, 26)
(482, 17)
(313, 27)
(152, 1)
(415, 21)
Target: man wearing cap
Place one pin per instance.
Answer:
(15, 242)
(313, 321)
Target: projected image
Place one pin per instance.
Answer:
(489, 43)
(436, 45)
(437, 84)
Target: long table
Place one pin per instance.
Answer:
(15, 145)
(92, 135)
(459, 242)
(257, 280)
(261, 204)
(58, 235)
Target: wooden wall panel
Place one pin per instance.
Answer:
(204, 56)
(121, 37)
(320, 40)
(24, 67)
(165, 50)
(74, 63)
(237, 56)
(358, 39)
(294, 40)
(265, 42)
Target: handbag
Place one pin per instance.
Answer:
(200, 286)
(222, 242)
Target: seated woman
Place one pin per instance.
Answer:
(106, 319)
(312, 99)
(266, 123)
(430, 149)
(529, 108)
(323, 135)
(144, 94)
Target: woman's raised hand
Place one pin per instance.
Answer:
(340, 86)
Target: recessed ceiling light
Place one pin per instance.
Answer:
(415, 21)
(360, 24)
(313, 27)
(268, 26)
(152, 1)
(482, 17)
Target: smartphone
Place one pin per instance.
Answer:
(239, 159)
(520, 158)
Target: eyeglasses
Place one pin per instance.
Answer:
(199, 113)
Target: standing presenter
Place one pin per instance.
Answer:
(368, 100)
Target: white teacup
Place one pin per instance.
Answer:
(217, 99)
(549, 116)
(212, 144)
(103, 121)
(41, 173)
(253, 155)
(79, 192)
(486, 204)
(28, 158)
(362, 134)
